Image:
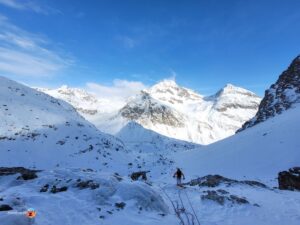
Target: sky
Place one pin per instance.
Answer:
(127, 45)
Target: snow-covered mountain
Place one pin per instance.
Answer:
(87, 104)
(106, 194)
(170, 110)
(39, 130)
(280, 96)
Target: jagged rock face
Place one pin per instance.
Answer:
(280, 96)
(146, 109)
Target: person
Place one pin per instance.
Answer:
(178, 174)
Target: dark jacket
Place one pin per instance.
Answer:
(178, 174)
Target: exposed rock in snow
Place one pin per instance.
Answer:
(289, 180)
(280, 96)
(221, 197)
(217, 180)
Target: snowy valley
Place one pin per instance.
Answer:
(77, 174)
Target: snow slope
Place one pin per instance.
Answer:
(135, 133)
(39, 130)
(259, 152)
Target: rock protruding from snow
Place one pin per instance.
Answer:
(280, 96)
(289, 180)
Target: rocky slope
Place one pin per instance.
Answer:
(280, 96)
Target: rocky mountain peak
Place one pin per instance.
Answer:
(169, 92)
(164, 84)
(230, 89)
(280, 96)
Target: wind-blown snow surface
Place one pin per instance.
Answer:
(169, 110)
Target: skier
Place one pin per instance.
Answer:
(178, 174)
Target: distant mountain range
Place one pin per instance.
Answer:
(168, 109)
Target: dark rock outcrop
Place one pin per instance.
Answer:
(5, 207)
(280, 96)
(289, 180)
(120, 205)
(216, 180)
(140, 174)
(55, 189)
(222, 197)
(87, 184)
(44, 188)
(26, 174)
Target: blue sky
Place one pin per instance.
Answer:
(132, 44)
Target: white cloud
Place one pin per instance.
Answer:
(27, 54)
(29, 5)
(118, 91)
(172, 76)
(127, 42)
(12, 4)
